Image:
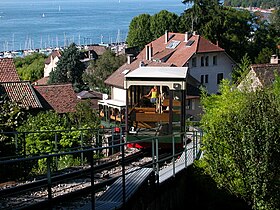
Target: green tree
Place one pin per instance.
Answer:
(139, 33)
(31, 67)
(11, 116)
(69, 67)
(99, 70)
(264, 56)
(241, 143)
(162, 21)
(85, 116)
(241, 69)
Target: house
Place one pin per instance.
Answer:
(259, 76)
(91, 95)
(20, 92)
(51, 62)
(60, 98)
(206, 64)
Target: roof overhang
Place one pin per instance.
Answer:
(173, 77)
(112, 103)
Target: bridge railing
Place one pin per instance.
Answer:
(50, 177)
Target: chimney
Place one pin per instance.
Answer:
(274, 59)
(166, 37)
(147, 52)
(188, 35)
(129, 59)
(150, 52)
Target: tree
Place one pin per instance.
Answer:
(241, 69)
(241, 143)
(162, 21)
(264, 56)
(139, 33)
(98, 71)
(11, 116)
(69, 67)
(85, 116)
(31, 67)
(230, 28)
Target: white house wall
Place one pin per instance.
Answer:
(118, 94)
(224, 65)
(50, 67)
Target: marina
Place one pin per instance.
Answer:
(51, 24)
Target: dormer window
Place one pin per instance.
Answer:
(189, 43)
(173, 44)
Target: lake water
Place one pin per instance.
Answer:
(49, 23)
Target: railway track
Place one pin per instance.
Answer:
(66, 184)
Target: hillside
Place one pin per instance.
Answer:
(265, 4)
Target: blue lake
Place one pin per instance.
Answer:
(48, 23)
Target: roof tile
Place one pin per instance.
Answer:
(8, 71)
(22, 93)
(61, 98)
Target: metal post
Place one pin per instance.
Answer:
(24, 144)
(49, 178)
(153, 155)
(55, 147)
(193, 147)
(92, 180)
(173, 154)
(123, 175)
(157, 160)
(196, 139)
(16, 142)
(82, 146)
(186, 158)
(112, 131)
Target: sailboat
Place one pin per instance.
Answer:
(59, 9)
(43, 15)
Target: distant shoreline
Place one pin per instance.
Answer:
(256, 9)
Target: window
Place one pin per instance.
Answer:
(193, 62)
(214, 60)
(201, 79)
(206, 78)
(189, 43)
(173, 44)
(202, 61)
(207, 61)
(220, 76)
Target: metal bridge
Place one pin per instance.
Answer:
(122, 186)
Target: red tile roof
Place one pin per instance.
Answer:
(8, 71)
(22, 93)
(99, 50)
(54, 54)
(42, 81)
(61, 98)
(162, 56)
